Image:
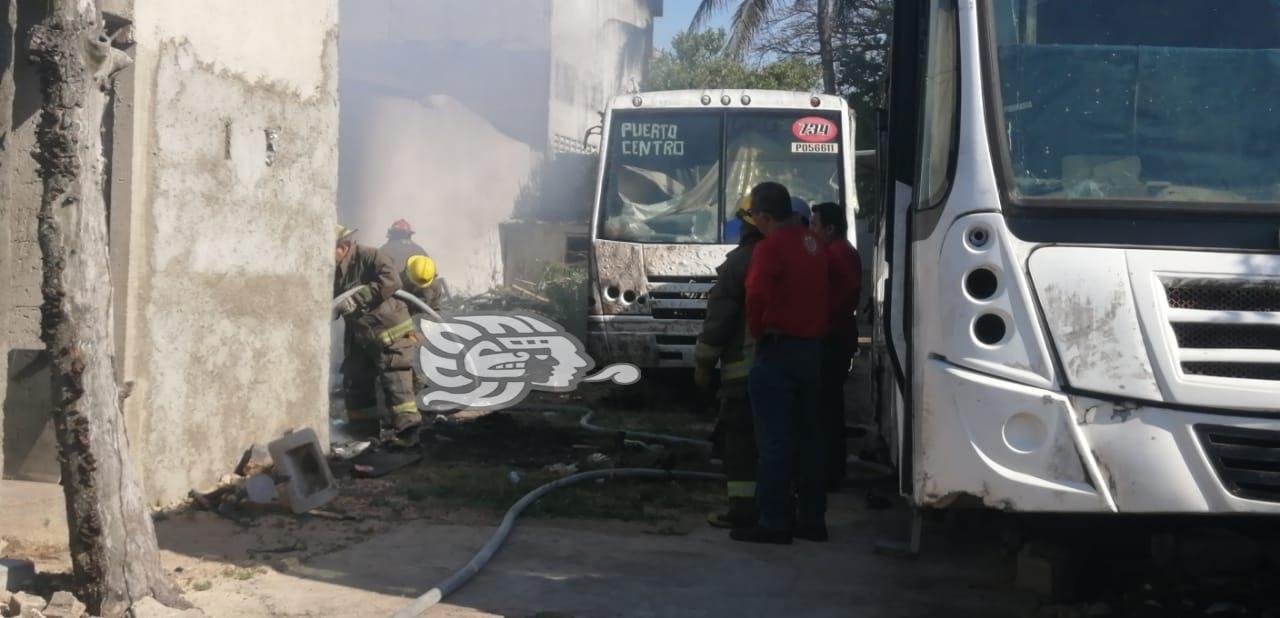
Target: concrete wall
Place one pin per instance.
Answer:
(233, 191)
(598, 50)
(25, 393)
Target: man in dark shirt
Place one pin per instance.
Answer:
(845, 274)
(787, 314)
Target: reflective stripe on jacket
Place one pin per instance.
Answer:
(383, 312)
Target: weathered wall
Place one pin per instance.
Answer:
(233, 175)
(8, 19)
(598, 50)
(25, 392)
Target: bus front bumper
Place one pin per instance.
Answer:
(1022, 448)
(643, 341)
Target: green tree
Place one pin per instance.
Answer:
(696, 61)
(752, 19)
(861, 42)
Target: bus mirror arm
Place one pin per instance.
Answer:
(586, 139)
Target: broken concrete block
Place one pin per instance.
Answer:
(260, 489)
(299, 458)
(16, 574)
(23, 602)
(256, 460)
(64, 605)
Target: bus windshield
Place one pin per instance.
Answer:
(1141, 100)
(663, 178)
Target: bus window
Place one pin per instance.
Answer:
(801, 150)
(662, 181)
(1140, 101)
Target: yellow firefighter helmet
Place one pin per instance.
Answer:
(422, 270)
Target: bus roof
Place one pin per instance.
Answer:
(741, 99)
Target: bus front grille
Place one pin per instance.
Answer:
(1226, 328)
(1247, 460)
(679, 298)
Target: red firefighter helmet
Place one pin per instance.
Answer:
(400, 229)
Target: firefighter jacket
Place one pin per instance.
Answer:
(433, 295)
(380, 316)
(400, 250)
(724, 334)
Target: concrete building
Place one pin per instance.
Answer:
(223, 164)
(453, 110)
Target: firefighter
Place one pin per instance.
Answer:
(421, 279)
(724, 339)
(401, 249)
(400, 246)
(379, 339)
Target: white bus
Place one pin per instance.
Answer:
(1077, 277)
(674, 167)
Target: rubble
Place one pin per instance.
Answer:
(260, 489)
(300, 460)
(23, 604)
(256, 460)
(64, 605)
(15, 574)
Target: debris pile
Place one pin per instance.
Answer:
(291, 472)
(561, 295)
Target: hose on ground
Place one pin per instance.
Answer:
(460, 577)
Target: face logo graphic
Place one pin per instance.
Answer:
(493, 361)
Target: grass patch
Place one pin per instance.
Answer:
(240, 574)
(201, 586)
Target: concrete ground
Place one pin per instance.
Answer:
(555, 567)
(663, 563)
(560, 568)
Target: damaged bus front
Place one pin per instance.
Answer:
(674, 169)
(1079, 294)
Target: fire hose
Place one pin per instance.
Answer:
(460, 577)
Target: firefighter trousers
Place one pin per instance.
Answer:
(369, 364)
(738, 451)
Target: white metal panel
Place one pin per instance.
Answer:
(1148, 271)
(1089, 308)
(1022, 355)
(1153, 462)
(1012, 445)
(1224, 317)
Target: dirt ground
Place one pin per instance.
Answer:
(619, 548)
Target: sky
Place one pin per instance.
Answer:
(676, 17)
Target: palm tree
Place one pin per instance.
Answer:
(752, 16)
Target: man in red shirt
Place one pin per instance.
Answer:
(841, 343)
(787, 312)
